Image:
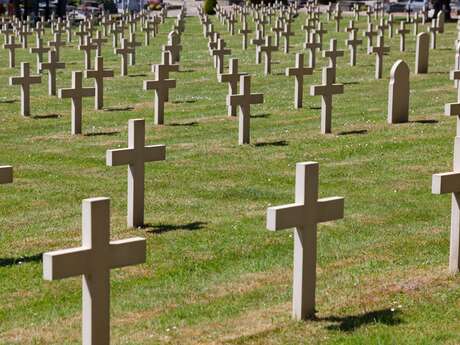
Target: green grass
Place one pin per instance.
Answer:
(217, 276)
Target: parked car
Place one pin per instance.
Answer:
(93, 7)
(417, 5)
(391, 7)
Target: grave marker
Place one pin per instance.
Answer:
(25, 80)
(99, 73)
(299, 71)
(422, 52)
(398, 93)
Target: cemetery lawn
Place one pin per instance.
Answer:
(214, 274)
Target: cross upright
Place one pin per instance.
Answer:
(450, 183)
(320, 31)
(57, 44)
(11, 46)
(39, 50)
(245, 31)
(379, 51)
(173, 46)
(231, 78)
(312, 45)
(351, 27)
(147, 29)
(25, 80)
(277, 30)
(52, 66)
(219, 54)
(433, 29)
(94, 260)
(304, 215)
(87, 47)
(267, 50)
(161, 85)
(402, 31)
(333, 54)
(6, 174)
(326, 91)
(337, 18)
(308, 27)
(23, 33)
(299, 71)
(286, 34)
(416, 20)
(135, 156)
(99, 73)
(370, 33)
(258, 41)
(243, 100)
(390, 23)
(353, 44)
(133, 44)
(81, 33)
(76, 93)
(124, 51)
(117, 33)
(98, 42)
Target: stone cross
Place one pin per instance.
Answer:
(94, 260)
(25, 80)
(173, 46)
(304, 215)
(326, 91)
(165, 67)
(124, 51)
(320, 32)
(219, 54)
(57, 44)
(161, 85)
(76, 93)
(286, 34)
(52, 66)
(277, 30)
(370, 33)
(390, 23)
(353, 43)
(337, 18)
(333, 54)
(39, 50)
(133, 44)
(98, 42)
(433, 29)
(450, 183)
(379, 51)
(87, 47)
(398, 93)
(11, 46)
(299, 71)
(245, 31)
(416, 20)
(231, 78)
(402, 31)
(243, 100)
(135, 156)
(312, 45)
(351, 27)
(6, 174)
(267, 50)
(147, 29)
(422, 52)
(258, 42)
(99, 73)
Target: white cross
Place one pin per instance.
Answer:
(99, 73)
(304, 215)
(136, 155)
(39, 50)
(231, 78)
(52, 66)
(124, 51)
(12, 46)
(25, 80)
(243, 100)
(353, 43)
(267, 50)
(379, 51)
(94, 260)
(299, 71)
(76, 93)
(327, 90)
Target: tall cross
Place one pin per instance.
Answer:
(173, 46)
(379, 51)
(286, 34)
(370, 33)
(98, 42)
(231, 78)
(11, 46)
(135, 156)
(87, 47)
(6, 174)
(304, 215)
(94, 260)
(133, 44)
(277, 30)
(99, 73)
(333, 54)
(299, 71)
(402, 31)
(433, 29)
(39, 50)
(258, 41)
(326, 91)
(124, 51)
(243, 100)
(219, 54)
(57, 44)
(390, 23)
(353, 44)
(245, 31)
(52, 66)
(320, 31)
(76, 93)
(25, 80)
(312, 45)
(267, 50)
(161, 85)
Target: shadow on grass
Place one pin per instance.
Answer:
(4, 262)
(271, 143)
(353, 322)
(359, 131)
(137, 75)
(185, 124)
(127, 108)
(351, 83)
(48, 116)
(425, 122)
(260, 116)
(186, 71)
(315, 108)
(97, 134)
(163, 228)
(186, 101)
(9, 101)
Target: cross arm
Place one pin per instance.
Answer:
(16, 80)
(257, 98)
(119, 157)
(127, 252)
(65, 263)
(6, 174)
(66, 93)
(155, 153)
(317, 90)
(452, 109)
(285, 217)
(446, 183)
(235, 99)
(330, 209)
